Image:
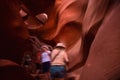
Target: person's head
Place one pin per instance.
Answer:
(45, 47)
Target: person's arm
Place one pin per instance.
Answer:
(49, 52)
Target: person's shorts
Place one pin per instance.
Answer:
(46, 67)
(58, 71)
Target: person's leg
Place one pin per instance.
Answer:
(46, 67)
(46, 70)
(48, 75)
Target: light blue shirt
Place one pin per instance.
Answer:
(46, 56)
